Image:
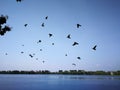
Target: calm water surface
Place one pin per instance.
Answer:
(59, 82)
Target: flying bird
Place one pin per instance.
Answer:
(73, 64)
(46, 17)
(52, 43)
(94, 48)
(3, 19)
(69, 37)
(65, 54)
(23, 45)
(6, 53)
(25, 25)
(75, 43)
(43, 61)
(42, 25)
(50, 35)
(18, 0)
(39, 41)
(31, 55)
(78, 58)
(40, 49)
(78, 25)
(22, 52)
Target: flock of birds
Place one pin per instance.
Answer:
(3, 30)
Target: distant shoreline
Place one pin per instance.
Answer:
(63, 72)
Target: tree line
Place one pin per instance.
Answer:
(66, 72)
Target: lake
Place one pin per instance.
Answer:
(58, 82)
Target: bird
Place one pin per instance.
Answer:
(31, 55)
(75, 43)
(40, 49)
(78, 25)
(50, 35)
(73, 64)
(43, 61)
(36, 58)
(18, 0)
(42, 25)
(22, 52)
(6, 53)
(94, 48)
(23, 45)
(65, 54)
(78, 58)
(52, 43)
(3, 19)
(69, 37)
(25, 25)
(46, 17)
(39, 41)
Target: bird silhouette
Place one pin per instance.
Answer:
(31, 55)
(42, 25)
(22, 52)
(94, 48)
(50, 35)
(25, 25)
(18, 0)
(43, 61)
(3, 19)
(69, 37)
(4, 30)
(75, 43)
(73, 64)
(65, 54)
(52, 43)
(78, 25)
(46, 17)
(36, 58)
(78, 58)
(6, 53)
(39, 41)
(40, 49)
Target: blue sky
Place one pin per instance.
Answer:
(100, 20)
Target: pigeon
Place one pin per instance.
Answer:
(94, 48)
(46, 17)
(42, 25)
(25, 25)
(75, 43)
(78, 25)
(68, 36)
(50, 35)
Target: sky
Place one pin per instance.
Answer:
(100, 20)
